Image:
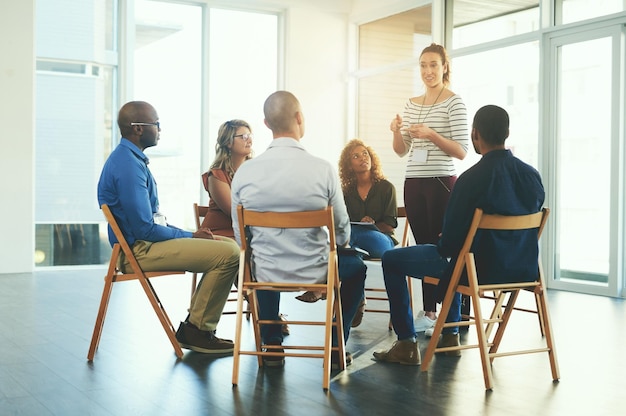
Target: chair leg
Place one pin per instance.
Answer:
(483, 342)
(102, 311)
(238, 328)
(547, 326)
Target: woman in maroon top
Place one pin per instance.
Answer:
(233, 147)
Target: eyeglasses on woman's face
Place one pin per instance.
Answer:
(246, 137)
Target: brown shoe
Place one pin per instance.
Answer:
(358, 316)
(404, 352)
(450, 340)
(192, 338)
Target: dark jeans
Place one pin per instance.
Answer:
(352, 273)
(415, 261)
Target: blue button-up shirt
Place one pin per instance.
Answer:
(499, 184)
(128, 188)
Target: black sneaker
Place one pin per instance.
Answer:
(192, 338)
(273, 360)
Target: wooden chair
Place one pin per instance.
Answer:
(505, 296)
(115, 275)
(379, 294)
(248, 286)
(200, 211)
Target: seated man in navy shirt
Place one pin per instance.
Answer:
(499, 184)
(126, 185)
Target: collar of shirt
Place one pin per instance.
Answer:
(286, 142)
(133, 148)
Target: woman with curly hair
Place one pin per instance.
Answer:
(233, 147)
(369, 197)
(371, 203)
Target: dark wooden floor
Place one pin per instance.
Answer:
(46, 321)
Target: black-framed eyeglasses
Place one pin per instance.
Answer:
(245, 137)
(156, 123)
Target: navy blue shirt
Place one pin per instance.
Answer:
(498, 184)
(128, 188)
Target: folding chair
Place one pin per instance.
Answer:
(505, 296)
(372, 293)
(115, 275)
(248, 286)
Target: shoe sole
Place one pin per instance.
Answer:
(206, 350)
(274, 363)
(387, 360)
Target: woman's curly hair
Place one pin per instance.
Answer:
(347, 175)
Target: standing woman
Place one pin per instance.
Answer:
(233, 147)
(432, 131)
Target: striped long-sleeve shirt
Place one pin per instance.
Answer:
(449, 119)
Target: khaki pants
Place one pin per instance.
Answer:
(217, 259)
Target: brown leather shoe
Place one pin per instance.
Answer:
(450, 340)
(192, 338)
(403, 352)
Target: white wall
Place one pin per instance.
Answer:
(17, 135)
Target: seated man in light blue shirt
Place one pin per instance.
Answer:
(287, 178)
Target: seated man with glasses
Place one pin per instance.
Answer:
(126, 185)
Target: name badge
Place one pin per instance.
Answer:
(420, 155)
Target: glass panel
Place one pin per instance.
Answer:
(583, 160)
(577, 10)
(168, 62)
(513, 86)
(243, 72)
(478, 21)
(74, 96)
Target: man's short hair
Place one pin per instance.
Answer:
(492, 123)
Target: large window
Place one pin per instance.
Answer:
(198, 66)
(76, 75)
(507, 77)
(241, 72)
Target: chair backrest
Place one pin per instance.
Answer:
(200, 211)
(406, 235)
(300, 219)
(121, 239)
(482, 221)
